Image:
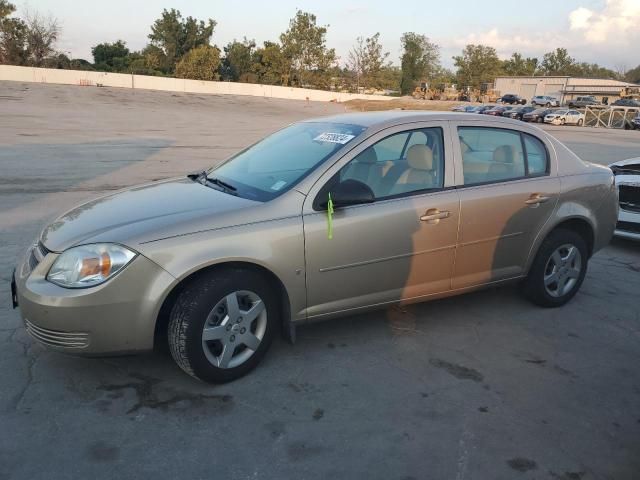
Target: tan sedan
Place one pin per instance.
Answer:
(324, 218)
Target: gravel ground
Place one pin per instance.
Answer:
(480, 386)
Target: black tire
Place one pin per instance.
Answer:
(580, 122)
(190, 312)
(540, 120)
(534, 286)
(548, 105)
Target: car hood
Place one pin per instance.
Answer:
(627, 162)
(146, 213)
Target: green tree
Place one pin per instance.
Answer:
(173, 36)
(238, 60)
(558, 62)
(304, 48)
(591, 70)
(518, 65)
(42, 35)
(269, 64)
(366, 61)
(111, 56)
(13, 36)
(478, 64)
(633, 75)
(200, 63)
(420, 60)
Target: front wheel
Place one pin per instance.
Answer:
(580, 122)
(222, 324)
(548, 105)
(558, 270)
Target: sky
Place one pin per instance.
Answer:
(602, 31)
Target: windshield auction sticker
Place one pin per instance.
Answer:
(328, 137)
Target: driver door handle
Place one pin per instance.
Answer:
(433, 215)
(536, 199)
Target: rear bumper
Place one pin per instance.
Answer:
(116, 317)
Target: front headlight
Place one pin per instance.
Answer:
(89, 265)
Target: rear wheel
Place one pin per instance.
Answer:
(548, 105)
(580, 122)
(558, 270)
(540, 120)
(562, 121)
(222, 325)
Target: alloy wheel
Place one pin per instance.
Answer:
(234, 329)
(562, 270)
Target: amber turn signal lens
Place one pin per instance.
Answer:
(96, 266)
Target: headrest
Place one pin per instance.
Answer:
(504, 154)
(420, 157)
(367, 156)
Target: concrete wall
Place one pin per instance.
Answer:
(122, 80)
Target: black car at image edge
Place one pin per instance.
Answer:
(537, 115)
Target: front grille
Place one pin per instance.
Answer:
(55, 338)
(629, 198)
(628, 227)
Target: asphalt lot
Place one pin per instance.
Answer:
(483, 386)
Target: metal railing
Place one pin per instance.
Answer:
(600, 116)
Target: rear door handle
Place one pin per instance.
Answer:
(433, 215)
(536, 199)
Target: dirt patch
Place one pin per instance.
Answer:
(402, 103)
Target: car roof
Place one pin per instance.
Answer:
(390, 118)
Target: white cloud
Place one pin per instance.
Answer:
(608, 36)
(615, 23)
(505, 44)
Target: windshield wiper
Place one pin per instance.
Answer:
(198, 176)
(222, 184)
(201, 177)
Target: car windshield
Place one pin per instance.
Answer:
(277, 163)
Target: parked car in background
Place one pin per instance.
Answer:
(462, 108)
(545, 101)
(627, 174)
(511, 98)
(636, 122)
(586, 101)
(517, 112)
(626, 102)
(565, 117)
(480, 109)
(495, 111)
(537, 115)
(214, 264)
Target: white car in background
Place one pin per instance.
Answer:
(565, 117)
(627, 176)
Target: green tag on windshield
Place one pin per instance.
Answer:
(330, 218)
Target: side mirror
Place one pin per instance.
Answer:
(351, 192)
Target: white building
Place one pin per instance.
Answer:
(563, 88)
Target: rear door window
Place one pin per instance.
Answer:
(495, 155)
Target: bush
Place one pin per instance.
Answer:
(200, 63)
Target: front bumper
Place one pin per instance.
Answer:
(628, 225)
(115, 317)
